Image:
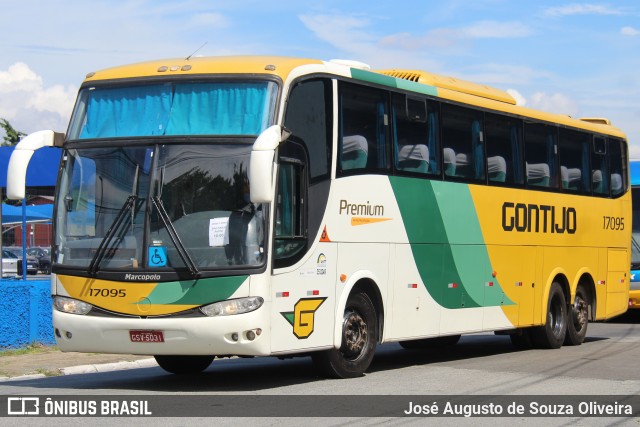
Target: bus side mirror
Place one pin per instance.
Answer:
(261, 177)
(21, 156)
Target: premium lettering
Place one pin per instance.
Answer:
(363, 209)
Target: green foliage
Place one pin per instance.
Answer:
(12, 136)
(33, 348)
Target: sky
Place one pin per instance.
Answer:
(575, 58)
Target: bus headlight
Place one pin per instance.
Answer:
(234, 306)
(70, 305)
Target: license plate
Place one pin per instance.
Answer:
(146, 336)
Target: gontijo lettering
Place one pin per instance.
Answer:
(531, 218)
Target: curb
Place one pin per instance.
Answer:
(90, 369)
(109, 367)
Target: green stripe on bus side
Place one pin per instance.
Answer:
(196, 292)
(384, 80)
(447, 243)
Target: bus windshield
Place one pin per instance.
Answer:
(158, 207)
(173, 108)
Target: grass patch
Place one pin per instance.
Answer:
(33, 348)
(49, 372)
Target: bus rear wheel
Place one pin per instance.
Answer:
(553, 332)
(182, 365)
(359, 339)
(578, 318)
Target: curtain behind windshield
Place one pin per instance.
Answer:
(174, 109)
(218, 109)
(114, 112)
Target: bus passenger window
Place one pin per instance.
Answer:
(462, 133)
(574, 161)
(540, 147)
(600, 178)
(364, 114)
(308, 117)
(618, 164)
(415, 135)
(504, 149)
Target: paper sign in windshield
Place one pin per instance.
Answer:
(218, 231)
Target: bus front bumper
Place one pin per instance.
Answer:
(237, 335)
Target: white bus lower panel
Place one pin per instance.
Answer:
(243, 335)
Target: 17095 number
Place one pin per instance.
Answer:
(114, 293)
(613, 222)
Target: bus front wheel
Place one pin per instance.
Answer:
(184, 364)
(359, 339)
(553, 332)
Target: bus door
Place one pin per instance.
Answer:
(304, 274)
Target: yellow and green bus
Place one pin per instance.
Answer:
(273, 206)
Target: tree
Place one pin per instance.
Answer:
(12, 136)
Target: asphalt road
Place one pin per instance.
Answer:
(480, 365)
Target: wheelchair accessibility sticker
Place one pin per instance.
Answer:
(157, 256)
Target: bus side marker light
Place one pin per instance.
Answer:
(343, 278)
(452, 285)
(489, 284)
(314, 292)
(601, 282)
(413, 286)
(518, 283)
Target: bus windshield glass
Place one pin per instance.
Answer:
(173, 109)
(175, 207)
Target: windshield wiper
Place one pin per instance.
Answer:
(108, 237)
(175, 238)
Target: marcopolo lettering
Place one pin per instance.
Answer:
(142, 277)
(363, 209)
(531, 218)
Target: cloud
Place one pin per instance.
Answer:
(554, 103)
(583, 9)
(629, 31)
(29, 105)
(345, 32)
(357, 35)
(520, 100)
(495, 30)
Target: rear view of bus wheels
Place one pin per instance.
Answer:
(577, 318)
(184, 364)
(359, 339)
(552, 334)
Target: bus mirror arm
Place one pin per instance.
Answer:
(21, 156)
(261, 167)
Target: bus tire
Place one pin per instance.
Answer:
(182, 365)
(577, 318)
(359, 340)
(521, 339)
(552, 333)
(427, 343)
